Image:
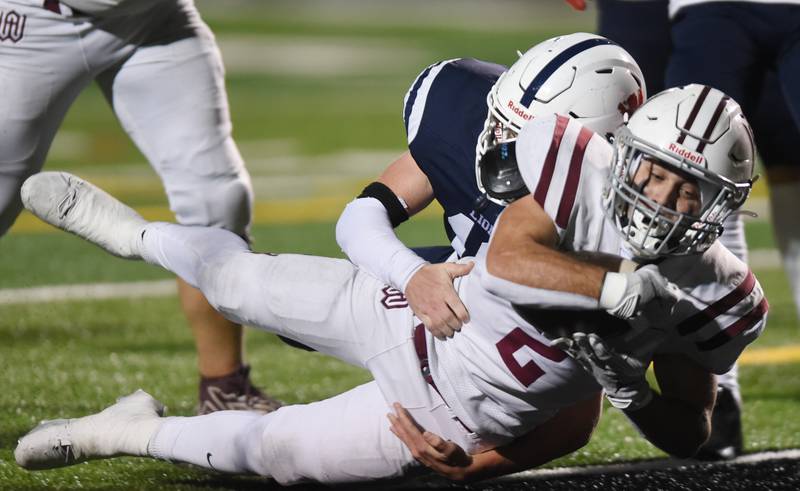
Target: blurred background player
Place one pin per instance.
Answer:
(158, 66)
(730, 47)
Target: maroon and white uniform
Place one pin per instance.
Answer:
(495, 380)
(500, 372)
(489, 386)
(722, 306)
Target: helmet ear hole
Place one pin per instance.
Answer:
(499, 173)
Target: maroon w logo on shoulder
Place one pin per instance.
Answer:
(393, 298)
(12, 26)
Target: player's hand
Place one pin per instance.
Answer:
(578, 4)
(433, 299)
(437, 454)
(622, 376)
(623, 294)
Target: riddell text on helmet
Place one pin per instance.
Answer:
(692, 157)
(519, 111)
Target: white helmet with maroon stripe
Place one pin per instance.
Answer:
(696, 131)
(583, 76)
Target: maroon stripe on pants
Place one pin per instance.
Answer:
(52, 6)
(719, 307)
(745, 322)
(540, 194)
(573, 178)
(421, 347)
(693, 114)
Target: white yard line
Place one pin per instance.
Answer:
(90, 291)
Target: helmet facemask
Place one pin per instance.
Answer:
(496, 169)
(653, 230)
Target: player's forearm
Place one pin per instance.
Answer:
(569, 430)
(673, 425)
(540, 266)
(539, 276)
(365, 234)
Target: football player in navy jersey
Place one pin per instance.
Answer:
(449, 129)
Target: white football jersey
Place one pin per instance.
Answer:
(501, 367)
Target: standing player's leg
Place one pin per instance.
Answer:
(41, 75)
(642, 29)
(783, 169)
(170, 98)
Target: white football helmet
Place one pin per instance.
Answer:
(697, 132)
(584, 76)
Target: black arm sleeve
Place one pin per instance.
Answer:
(381, 192)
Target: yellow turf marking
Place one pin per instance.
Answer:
(305, 210)
(771, 356)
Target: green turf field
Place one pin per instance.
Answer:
(316, 97)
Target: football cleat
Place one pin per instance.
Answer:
(81, 208)
(725, 441)
(234, 392)
(122, 429)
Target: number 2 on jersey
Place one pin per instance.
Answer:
(529, 372)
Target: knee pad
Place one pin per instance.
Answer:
(224, 201)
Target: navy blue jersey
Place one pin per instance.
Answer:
(445, 110)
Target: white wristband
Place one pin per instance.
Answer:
(627, 266)
(613, 290)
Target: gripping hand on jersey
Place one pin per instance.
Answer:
(624, 294)
(433, 299)
(434, 452)
(621, 376)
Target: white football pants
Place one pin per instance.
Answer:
(162, 73)
(331, 306)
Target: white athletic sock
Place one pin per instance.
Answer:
(228, 441)
(184, 250)
(786, 223)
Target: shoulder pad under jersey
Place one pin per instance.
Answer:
(444, 93)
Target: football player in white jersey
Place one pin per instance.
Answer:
(690, 308)
(677, 170)
(159, 67)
